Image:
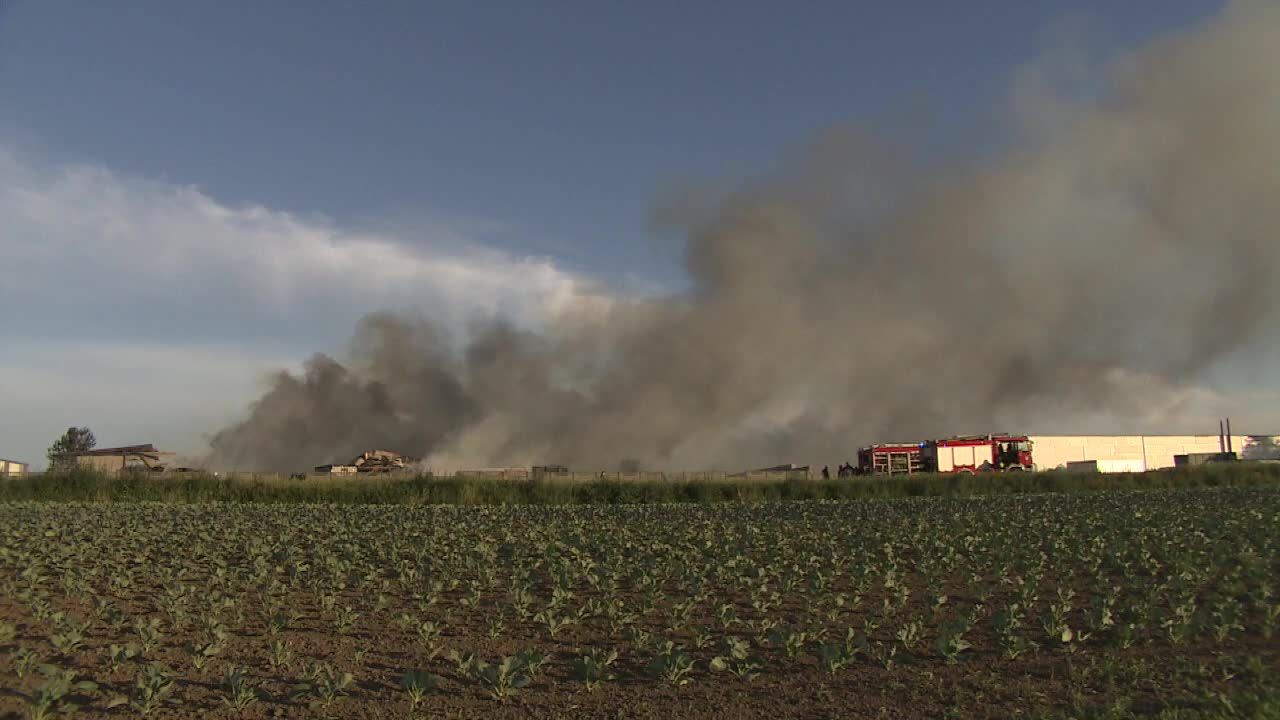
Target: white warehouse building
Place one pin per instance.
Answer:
(12, 468)
(1138, 453)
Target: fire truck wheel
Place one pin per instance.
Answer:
(1014, 468)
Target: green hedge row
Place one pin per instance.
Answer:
(88, 486)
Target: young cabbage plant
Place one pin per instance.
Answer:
(909, 634)
(428, 631)
(792, 642)
(670, 663)
(937, 600)
(416, 684)
(151, 690)
(281, 654)
(344, 619)
(832, 656)
(727, 614)
(1125, 635)
(1224, 619)
(24, 660)
(1007, 625)
(67, 641)
(202, 652)
(1101, 616)
(463, 662)
(554, 621)
(619, 617)
(148, 632)
(323, 685)
(118, 655)
(58, 695)
(495, 625)
(532, 660)
(951, 642)
(41, 609)
(594, 668)
(1270, 619)
(238, 692)
(522, 600)
(501, 679)
(736, 659)
(682, 613)
(282, 620)
(702, 637)
(1180, 625)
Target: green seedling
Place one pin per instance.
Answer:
(416, 684)
(238, 693)
(594, 668)
(57, 696)
(323, 685)
(670, 663)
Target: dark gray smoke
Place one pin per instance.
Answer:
(1119, 248)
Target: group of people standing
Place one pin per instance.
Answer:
(845, 470)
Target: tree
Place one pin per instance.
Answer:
(75, 440)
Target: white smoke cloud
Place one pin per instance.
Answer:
(145, 306)
(132, 236)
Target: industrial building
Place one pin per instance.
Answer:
(130, 457)
(1139, 453)
(12, 468)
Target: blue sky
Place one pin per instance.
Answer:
(557, 120)
(497, 154)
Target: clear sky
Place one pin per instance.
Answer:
(184, 186)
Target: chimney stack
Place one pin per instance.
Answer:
(1229, 443)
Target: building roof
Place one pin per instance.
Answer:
(147, 449)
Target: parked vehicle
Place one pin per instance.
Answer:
(965, 454)
(979, 453)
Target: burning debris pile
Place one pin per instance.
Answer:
(370, 461)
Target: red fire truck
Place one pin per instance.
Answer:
(967, 454)
(979, 453)
(890, 459)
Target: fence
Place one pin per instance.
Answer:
(513, 474)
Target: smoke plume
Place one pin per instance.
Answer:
(1119, 246)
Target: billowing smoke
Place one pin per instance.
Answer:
(1121, 245)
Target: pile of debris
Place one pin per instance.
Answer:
(370, 461)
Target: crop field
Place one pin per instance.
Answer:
(1094, 605)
